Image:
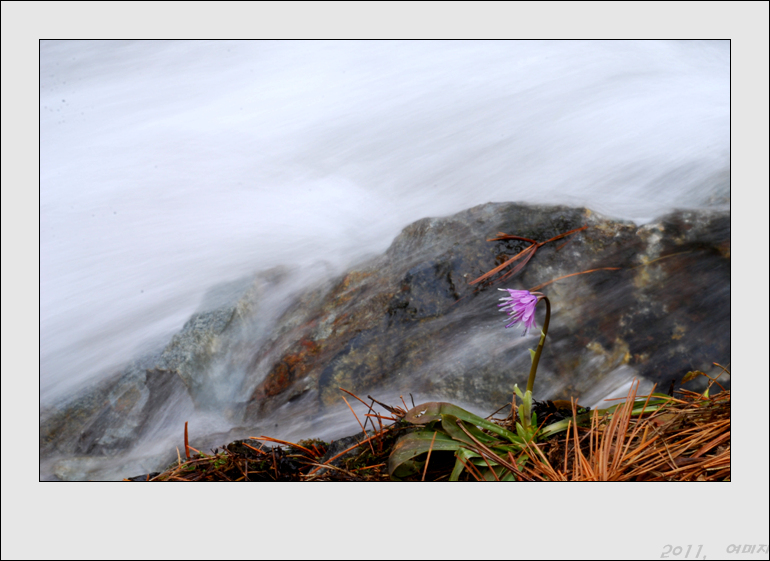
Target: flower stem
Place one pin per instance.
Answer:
(539, 350)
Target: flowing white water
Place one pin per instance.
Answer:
(168, 167)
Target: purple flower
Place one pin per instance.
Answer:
(520, 306)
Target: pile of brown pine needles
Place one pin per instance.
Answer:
(687, 439)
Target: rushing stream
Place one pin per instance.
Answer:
(170, 167)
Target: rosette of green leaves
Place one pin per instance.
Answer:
(447, 427)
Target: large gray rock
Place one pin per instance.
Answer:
(410, 322)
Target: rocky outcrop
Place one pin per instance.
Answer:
(110, 417)
(657, 304)
(410, 320)
(195, 370)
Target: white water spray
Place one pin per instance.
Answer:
(168, 167)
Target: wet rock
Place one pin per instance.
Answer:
(410, 320)
(74, 469)
(112, 416)
(200, 353)
(194, 370)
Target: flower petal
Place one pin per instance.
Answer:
(520, 307)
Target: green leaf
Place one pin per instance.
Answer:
(435, 410)
(413, 444)
(518, 392)
(561, 426)
(656, 402)
(465, 455)
(521, 432)
(525, 410)
(449, 424)
(502, 473)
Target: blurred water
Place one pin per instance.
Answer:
(168, 167)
